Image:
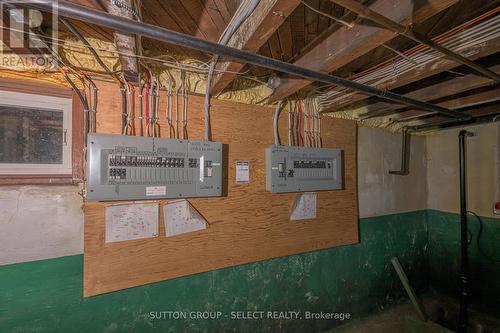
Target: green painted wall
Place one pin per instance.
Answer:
(45, 296)
(444, 259)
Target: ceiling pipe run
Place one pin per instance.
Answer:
(100, 18)
(464, 235)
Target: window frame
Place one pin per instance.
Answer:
(42, 102)
(19, 83)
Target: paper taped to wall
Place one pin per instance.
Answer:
(242, 171)
(180, 217)
(304, 207)
(131, 221)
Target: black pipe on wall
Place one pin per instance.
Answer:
(464, 235)
(405, 153)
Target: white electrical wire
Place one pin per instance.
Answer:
(399, 67)
(464, 40)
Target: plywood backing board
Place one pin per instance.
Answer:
(248, 224)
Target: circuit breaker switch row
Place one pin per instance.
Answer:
(145, 161)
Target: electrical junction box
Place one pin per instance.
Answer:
(303, 169)
(123, 167)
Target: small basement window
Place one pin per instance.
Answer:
(35, 134)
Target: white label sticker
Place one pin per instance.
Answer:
(156, 190)
(242, 171)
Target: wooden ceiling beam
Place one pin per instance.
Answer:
(251, 35)
(485, 97)
(421, 72)
(365, 12)
(480, 111)
(347, 44)
(447, 88)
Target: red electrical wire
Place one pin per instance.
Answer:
(443, 37)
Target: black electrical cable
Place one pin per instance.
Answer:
(83, 99)
(78, 35)
(478, 240)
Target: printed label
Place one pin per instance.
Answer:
(156, 190)
(242, 171)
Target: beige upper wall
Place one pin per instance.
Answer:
(482, 169)
(379, 192)
(39, 222)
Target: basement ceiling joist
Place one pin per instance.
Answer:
(204, 19)
(480, 114)
(472, 100)
(418, 73)
(252, 34)
(446, 88)
(303, 37)
(347, 44)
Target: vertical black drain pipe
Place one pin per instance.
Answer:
(464, 259)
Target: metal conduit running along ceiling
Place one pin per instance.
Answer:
(165, 35)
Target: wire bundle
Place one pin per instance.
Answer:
(470, 34)
(304, 123)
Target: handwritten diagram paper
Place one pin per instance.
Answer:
(304, 207)
(180, 217)
(131, 221)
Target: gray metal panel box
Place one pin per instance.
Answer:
(303, 169)
(123, 167)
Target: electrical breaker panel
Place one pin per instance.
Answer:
(303, 169)
(123, 167)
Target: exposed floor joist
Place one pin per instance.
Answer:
(402, 30)
(251, 35)
(481, 111)
(485, 97)
(447, 88)
(347, 44)
(421, 72)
